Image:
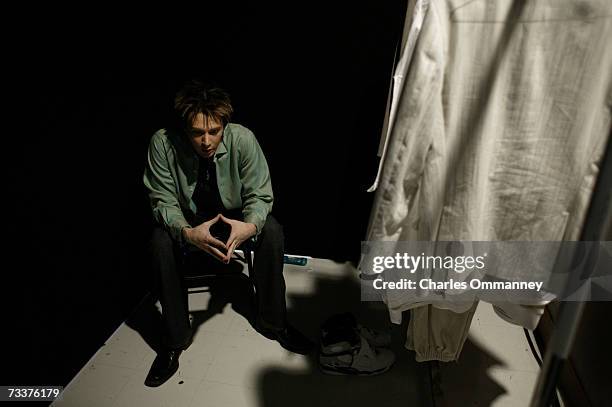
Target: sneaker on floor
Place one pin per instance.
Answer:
(339, 339)
(339, 325)
(362, 360)
(376, 339)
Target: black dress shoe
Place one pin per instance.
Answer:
(289, 338)
(164, 366)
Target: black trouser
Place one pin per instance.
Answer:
(168, 259)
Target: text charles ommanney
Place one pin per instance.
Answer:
(475, 284)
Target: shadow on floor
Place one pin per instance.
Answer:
(229, 287)
(467, 382)
(407, 383)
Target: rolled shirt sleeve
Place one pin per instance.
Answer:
(257, 195)
(163, 193)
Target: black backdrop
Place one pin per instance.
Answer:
(309, 79)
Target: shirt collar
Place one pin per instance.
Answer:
(222, 148)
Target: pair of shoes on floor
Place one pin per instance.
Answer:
(349, 348)
(288, 337)
(166, 364)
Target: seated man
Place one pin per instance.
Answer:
(201, 174)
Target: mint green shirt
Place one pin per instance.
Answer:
(171, 175)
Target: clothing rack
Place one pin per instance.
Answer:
(598, 220)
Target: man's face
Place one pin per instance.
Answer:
(205, 135)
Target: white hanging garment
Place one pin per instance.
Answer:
(415, 14)
(500, 125)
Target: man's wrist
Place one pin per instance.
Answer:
(185, 232)
(254, 231)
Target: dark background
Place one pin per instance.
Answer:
(309, 79)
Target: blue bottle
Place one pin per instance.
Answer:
(300, 261)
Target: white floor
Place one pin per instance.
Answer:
(229, 364)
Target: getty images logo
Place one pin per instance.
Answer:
(412, 263)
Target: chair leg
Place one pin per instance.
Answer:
(248, 256)
(249, 260)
